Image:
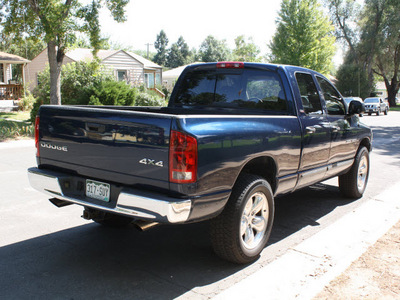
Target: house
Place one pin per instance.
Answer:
(125, 65)
(10, 89)
(381, 91)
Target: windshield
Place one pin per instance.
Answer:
(248, 88)
(372, 100)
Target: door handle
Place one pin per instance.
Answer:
(310, 130)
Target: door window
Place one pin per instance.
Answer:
(309, 94)
(334, 102)
(149, 80)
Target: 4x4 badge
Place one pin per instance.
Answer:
(152, 162)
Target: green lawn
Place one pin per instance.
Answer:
(396, 108)
(18, 116)
(15, 125)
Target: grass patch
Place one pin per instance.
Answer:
(15, 125)
(395, 108)
(17, 116)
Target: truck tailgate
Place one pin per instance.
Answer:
(123, 146)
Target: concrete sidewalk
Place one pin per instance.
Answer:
(24, 143)
(306, 269)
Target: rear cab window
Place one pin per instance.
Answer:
(251, 89)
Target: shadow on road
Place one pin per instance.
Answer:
(92, 261)
(387, 140)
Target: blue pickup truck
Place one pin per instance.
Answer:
(233, 137)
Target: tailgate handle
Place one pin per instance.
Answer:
(95, 127)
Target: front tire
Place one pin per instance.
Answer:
(353, 183)
(242, 230)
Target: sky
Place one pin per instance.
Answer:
(194, 21)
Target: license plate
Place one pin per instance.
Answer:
(98, 190)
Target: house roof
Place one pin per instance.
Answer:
(174, 73)
(80, 54)
(12, 59)
(147, 63)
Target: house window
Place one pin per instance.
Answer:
(158, 79)
(149, 80)
(122, 75)
(1, 73)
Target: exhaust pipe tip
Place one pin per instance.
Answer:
(145, 225)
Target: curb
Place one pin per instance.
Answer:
(306, 269)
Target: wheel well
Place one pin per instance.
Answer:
(366, 143)
(264, 167)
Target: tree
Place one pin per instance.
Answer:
(352, 78)
(304, 36)
(178, 54)
(345, 16)
(161, 44)
(375, 45)
(213, 50)
(385, 37)
(57, 23)
(246, 51)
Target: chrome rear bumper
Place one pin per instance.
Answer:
(130, 202)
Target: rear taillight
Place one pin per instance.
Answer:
(182, 158)
(230, 65)
(37, 121)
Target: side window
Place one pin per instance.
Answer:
(334, 103)
(309, 94)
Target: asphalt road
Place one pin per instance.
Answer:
(52, 253)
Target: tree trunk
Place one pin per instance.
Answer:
(392, 89)
(56, 56)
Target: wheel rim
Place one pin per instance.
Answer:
(362, 173)
(254, 221)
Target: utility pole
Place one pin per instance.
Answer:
(148, 45)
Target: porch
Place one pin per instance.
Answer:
(11, 91)
(12, 85)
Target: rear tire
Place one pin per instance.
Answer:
(386, 111)
(242, 230)
(353, 183)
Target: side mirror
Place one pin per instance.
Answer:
(356, 107)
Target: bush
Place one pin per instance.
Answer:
(12, 129)
(113, 93)
(77, 82)
(84, 83)
(146, 99)
(26, 103)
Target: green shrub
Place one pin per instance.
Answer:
(26, 103)
(113, 93)
(12, 129)
(84, 83)
(148, 99)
